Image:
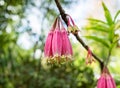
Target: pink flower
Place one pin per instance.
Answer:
(89, 58)
(67, 51)
(72, 27)
(48, 45)
(57, 42)
(106, 80)
(57, 46)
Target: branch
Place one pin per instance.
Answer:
(64, 17)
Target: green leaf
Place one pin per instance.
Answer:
(116, 15)
(96, 20)
(107, 14)
(98, 27)
(100, 40)
(111, 33)
(117, 25)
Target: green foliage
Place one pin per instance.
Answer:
(97, 25)
(107, 15)
(103, 32)
(117, 14)
(101, 40)
(107, 29)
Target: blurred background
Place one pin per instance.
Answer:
(24, 25)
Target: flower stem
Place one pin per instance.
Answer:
(108, 58)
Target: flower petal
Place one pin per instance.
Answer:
(48, 45)
(66, 47)
(101, 82)
(106, 80)
(57, 43)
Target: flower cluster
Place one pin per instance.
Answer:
(58, 48)
(106, 80)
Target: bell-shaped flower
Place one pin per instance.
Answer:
(72, 27)
(89, 58)
(67, 51)
(106, 80)
(57, 43)
(48, 45)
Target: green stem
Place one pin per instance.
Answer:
(108, 58)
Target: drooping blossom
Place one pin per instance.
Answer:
(89, 58)
(48, 43)
(67, 51)
(106, 80)
(72, 27)
(57, 44)
(58, 48)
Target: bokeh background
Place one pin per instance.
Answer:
(24, 25)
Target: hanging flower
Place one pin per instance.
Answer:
(106, 80)
(58, 48)
(72, 27)
(89, 58)
(48, 44)
(67, 51)
(57, 45)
